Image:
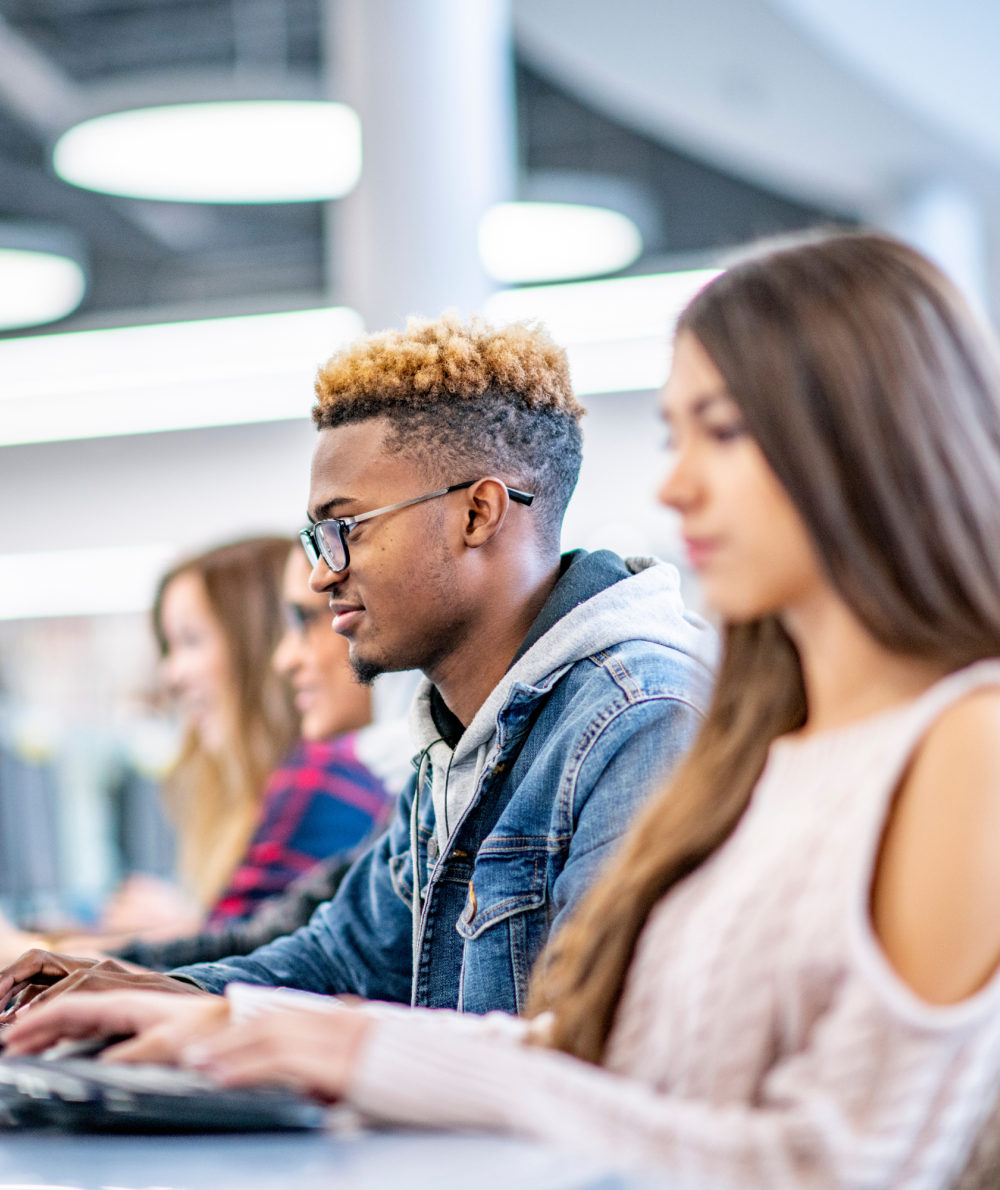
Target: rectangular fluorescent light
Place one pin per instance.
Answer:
(260, 367)
(170, 376)
(81, 582)
(617, 333)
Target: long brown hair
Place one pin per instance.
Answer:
(214, 798)
(874, 395)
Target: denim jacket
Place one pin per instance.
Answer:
(584, 725)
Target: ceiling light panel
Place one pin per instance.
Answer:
(521, 242)
(228, 371)
(37, 287)
(171, 376)
(249, 151)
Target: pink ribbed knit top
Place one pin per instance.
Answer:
(762, 1039)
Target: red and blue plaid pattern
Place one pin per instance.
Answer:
(322, 800)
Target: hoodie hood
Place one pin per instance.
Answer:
(647, 605)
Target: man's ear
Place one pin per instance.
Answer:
(486, 505)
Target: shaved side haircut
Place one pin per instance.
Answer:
(465, 400)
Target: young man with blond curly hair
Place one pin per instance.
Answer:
(558, 690)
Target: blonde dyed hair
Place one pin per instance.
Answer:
(214, 799)
(465, 399)
(448, 358)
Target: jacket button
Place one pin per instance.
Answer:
(469, 912)
(432, 849)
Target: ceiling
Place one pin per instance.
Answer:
(709, 122)
(936, 61)
(885, 109)
(795, 94)
(92, 40)
(60, 59)
(141, 254)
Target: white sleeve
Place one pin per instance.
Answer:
(859, 1107)
(249, 1000)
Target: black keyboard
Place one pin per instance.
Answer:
(81, 1094)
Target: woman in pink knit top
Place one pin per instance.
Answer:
(787, 977)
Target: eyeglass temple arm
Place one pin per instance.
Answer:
(517, 496)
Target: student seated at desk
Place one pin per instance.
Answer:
(788, 974)
(337, 786)
(217, 619)
(255, 809)
(235, 665)
(324, 797)
(558, 689)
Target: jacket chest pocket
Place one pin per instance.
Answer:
(504, 883)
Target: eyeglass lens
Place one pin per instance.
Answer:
(331, 545)
(324, 540)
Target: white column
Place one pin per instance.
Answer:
(433, 83)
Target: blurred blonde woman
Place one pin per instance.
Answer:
(328, 798)
(218, 619)
(328, 794)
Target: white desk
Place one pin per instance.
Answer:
(303, 1161)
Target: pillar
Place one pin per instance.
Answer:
(432, 81)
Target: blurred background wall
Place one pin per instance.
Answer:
(167, 408)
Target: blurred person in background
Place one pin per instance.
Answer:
(235, 658)
(323, 799)
(338, 784)
(218, 619)
(788, 975)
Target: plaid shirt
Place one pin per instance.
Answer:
(322, 800)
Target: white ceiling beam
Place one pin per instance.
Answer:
(734, 84)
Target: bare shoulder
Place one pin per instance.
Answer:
(966, 734)
(936, 893)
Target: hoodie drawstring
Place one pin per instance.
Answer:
(417, 903)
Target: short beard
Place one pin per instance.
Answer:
(426, 655)
(365, 672)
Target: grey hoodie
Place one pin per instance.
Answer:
(646, 606)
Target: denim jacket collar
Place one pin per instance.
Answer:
(646, 606)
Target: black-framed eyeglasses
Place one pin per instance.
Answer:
(328, 539)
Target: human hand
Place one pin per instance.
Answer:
(39, 976)
(311, 1052)
(162, 1025)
